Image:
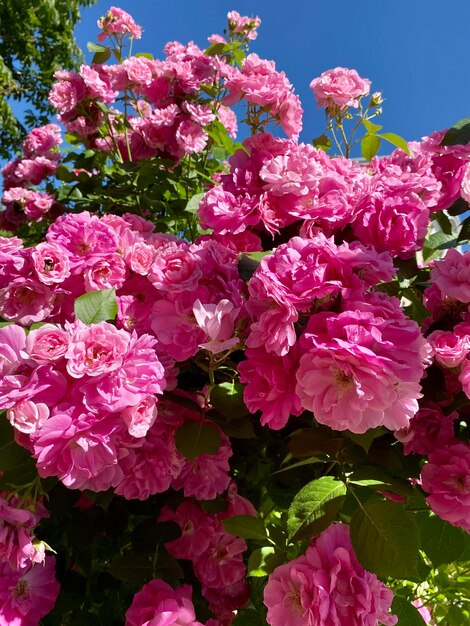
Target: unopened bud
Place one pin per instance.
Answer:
(376, 99)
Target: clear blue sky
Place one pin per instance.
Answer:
(415, 51)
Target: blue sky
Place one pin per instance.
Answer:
(414, 51)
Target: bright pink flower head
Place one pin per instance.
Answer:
(452, 275)
(95, 350)
(175, 268)
(26, 301)
(40, 141)
(449, 349)
(50, 263)
(27, 595)
(362, 367)
(340, 88)
(158, 604)
(16, 533)
(118, 22)
(270, 385)
(327, 587)
(447, 480)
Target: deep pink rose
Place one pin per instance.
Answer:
(327, 587)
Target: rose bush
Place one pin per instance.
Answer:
(234, 376)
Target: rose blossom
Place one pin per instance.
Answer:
(50, 263)
(28, 417)
(340, 87)
(452, 275)
(95, 350)
(449, 349)
(160, 605)
(47, 344)
(327, 587)
(28, 594)
(446, 477)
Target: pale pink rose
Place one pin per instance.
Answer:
(27, 595)
(46, 344)
(327, 587)
(96, 86)
(118, 22)
(452, 275)
(50, 263)
(446, 478)
(67, 93)
(270, 385)
(243, 25)
(218, 321)
(139, 257)
(139, 418)
(26, 301)
(28, 417)
(339, 87)
(158, 604)
(449, 349)
(95, 350)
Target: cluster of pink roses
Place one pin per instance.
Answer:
(98, 405)
(40, 160)
(28, 588)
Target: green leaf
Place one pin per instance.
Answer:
(442, 542)
(308, 442)
(227, 398)
(397, 141)
(458, 134)
(365, 440)
(102, 56)
(96, 306)
(386, 539)
(379, 479)
(323, 142)
(444, 222)
(372, 128)
(146, 55)
(193, 203)
(315, 507)
(96, 47)
(370, 145)
(264, 560)
(196, 438)
(407, 614)
(245, 526)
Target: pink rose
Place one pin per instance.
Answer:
(157, 603)
(446, 478)
(339, 87)
(47, 343)
(28, 417)
(51, 263)
(95, 350)
(327, 587)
